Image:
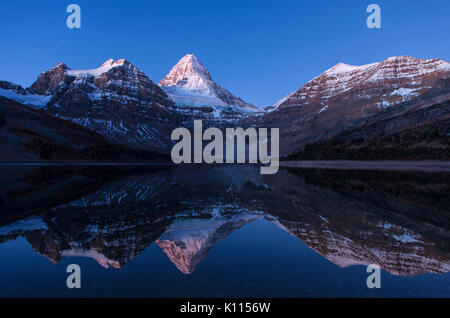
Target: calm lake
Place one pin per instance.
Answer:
(150, 231)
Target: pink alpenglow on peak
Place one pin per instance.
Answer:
(190, 74)
(190, 84)
(105, 67)
(389, 75)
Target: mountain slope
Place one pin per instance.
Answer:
(392, 81)
(19, 94)
(33, 135)
(344, 96)
(418, 134)
(116, 100)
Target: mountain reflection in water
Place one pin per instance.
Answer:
(400, 221)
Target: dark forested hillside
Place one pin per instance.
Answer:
(33, 135)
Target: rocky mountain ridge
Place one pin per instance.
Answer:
(121, 103)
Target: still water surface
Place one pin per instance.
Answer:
(223, 232)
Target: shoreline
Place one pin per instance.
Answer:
(387, 165)
(391, 165)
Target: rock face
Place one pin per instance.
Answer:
(116, 100)
(378, 85)
(49, 82)
(14, 88)
(115, 83)
(191, 87)
(345, 96)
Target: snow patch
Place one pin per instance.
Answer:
(36, 101)
(100, 258)
(405, 92)
(105, 67)
(323, 109)
(341, 68)
(30, 224)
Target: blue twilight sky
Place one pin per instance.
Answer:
(260, 50)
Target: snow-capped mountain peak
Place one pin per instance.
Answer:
(190, 77)
(105, 67)
(345, 95)
(341, 68)
(189, 84)
(389, 75)
(190, 74)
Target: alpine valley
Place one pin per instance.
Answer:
(398, 108)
